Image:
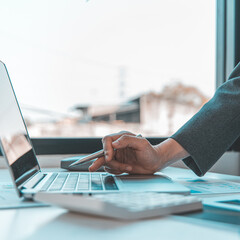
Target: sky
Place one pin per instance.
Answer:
(63, 53)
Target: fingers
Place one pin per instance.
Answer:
(120, 140)
(97, 164)
(128, 141)
(119, 167)
(107, 144)
(113, 166)
(112, 171)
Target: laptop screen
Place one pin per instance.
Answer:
(15, 142)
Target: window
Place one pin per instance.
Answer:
(90, 68)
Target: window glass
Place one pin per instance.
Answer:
(90, 68)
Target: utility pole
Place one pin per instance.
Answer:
(122, 81)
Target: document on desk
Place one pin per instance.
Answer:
(10, 200)
(210, 186)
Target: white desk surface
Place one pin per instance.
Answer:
(56, 223)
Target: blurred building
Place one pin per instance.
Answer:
(159, 113)
(151, 114)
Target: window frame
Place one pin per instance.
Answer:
(227, 44)
(227, 38)
(227, 56)
(48, 146)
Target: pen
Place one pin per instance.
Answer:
(92, 156)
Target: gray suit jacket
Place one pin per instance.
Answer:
(210, 132)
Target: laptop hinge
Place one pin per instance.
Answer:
(26, 176)
(34, 180)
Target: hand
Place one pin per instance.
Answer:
(132, 154)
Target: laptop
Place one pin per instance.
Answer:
(29, 178)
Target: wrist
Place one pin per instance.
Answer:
(170, 151)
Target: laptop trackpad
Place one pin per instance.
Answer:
(144, 182)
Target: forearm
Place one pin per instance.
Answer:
(210, 132)
(170, 152)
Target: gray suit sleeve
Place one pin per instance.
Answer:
(211, 131)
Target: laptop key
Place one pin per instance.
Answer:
(83, 187)
(83, 182)
(96, 185)
(49, 182)
(59, 182)
(110, 183)
(96, 182)
(71, 182)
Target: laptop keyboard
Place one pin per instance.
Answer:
(79, 182)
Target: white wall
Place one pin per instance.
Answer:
(229, 163)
